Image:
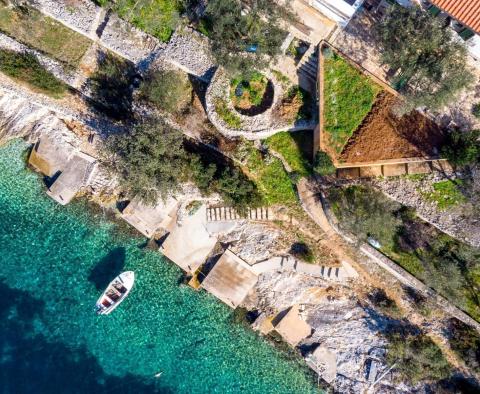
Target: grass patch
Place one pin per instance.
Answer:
(156, 17)
(232, 120)
(449, 266)
(25, 67)
(248, 92)
(348, 97)
(30, 27)
(292, 146)
(273, 182)
(446, 194)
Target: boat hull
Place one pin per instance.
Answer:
(117, 290)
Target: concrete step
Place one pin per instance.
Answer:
(217, 214)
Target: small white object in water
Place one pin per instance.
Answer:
(157, 375)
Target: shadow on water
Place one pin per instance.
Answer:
(107, 268)
(32, 364)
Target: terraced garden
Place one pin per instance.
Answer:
(28, 26)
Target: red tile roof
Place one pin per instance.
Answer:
(466, 12)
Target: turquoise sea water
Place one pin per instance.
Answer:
(54, 263)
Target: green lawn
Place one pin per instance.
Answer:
(268, 173)
(446, 194)
(348, 97)
(441, 262)
(295, 148)
(50, 37)
(24, 67)
(156, 17)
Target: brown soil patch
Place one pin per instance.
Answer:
(383, 136)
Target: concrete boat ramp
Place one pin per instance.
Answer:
(68, 170)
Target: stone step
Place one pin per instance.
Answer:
(217, 214)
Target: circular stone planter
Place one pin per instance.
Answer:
(252, 97)
(253, 127)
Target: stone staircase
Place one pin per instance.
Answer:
(308, 66)
(222, 214)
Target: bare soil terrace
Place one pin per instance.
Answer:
(383, 136)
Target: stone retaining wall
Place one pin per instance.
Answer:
(80, 15)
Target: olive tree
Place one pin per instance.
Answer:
(428, 63)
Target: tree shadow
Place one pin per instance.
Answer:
(107, 268)
(32, 364)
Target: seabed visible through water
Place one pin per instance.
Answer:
(55, 261)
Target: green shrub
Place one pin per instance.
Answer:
(236, 189)
(232, 120)
(416, 358)
(385, 304)
(323, 164)
(25, 67)
(476, 110)
(170, 91)
(462, 148)
(465, 342)
(111, 86)
(302, 251)
(268, 173)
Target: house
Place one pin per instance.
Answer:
(340, 11)
(463, 16)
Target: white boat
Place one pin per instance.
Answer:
(115, 293)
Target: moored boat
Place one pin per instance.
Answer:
(115, 293)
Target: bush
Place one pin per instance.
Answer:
(385, 304)
(236, 189)
(26, 67)
(462, 148)
(302, 251)
(476, 110)
(111, 86)
(323, 164)
(169, 91)
(417, 358)
(465, 342)
(150, 160)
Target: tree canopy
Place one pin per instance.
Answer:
(429, 64)
(150, 160)
(233, 28)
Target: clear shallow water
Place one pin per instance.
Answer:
(54, 263)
